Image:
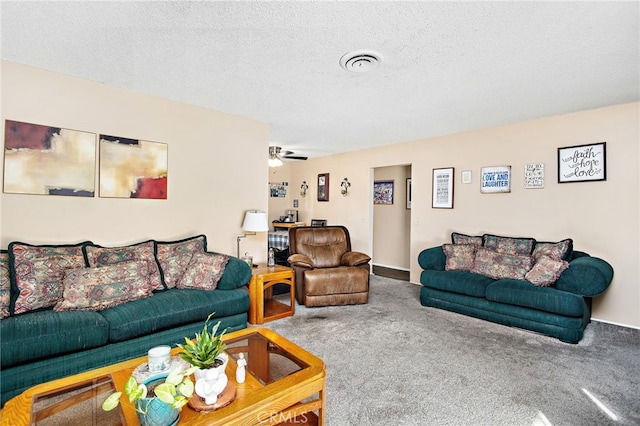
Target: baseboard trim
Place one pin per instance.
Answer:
(615, 323)
(387, 272)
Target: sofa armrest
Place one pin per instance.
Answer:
(236, 274)
(301, 260)
(587, 276)
(432, 259)
(354, 258)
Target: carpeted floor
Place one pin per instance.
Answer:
(395, 362)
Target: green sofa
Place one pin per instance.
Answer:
(560, 309)
(45, 344)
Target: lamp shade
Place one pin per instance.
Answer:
(255, 221)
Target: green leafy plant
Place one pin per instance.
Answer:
(202, 351)
(175, 391)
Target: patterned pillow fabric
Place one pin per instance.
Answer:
(95, 289)
(204, 271)
(546, 271)
(460, 257)
(5, 284)
(101, 256)
(501, 265)
(174, 257)
(457, 238)
(508, 245)
(37, 273)
(559, 251)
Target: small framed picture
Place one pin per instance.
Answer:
(495, 179)
(442, 193)
(383, 192)
(323, 187)
(582, 163)
(408, 206)
(466, 176)
(534, 176)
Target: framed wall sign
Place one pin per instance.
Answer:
(582, 163)
(465, 176)
(495, 179)
(383, 192)
(442, 193)
(534, 176)
(323, 187)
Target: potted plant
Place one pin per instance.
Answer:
(206, 349)
(206, 354)
(158, 400)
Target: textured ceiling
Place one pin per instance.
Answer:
(447, 66)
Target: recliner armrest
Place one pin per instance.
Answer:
(354, 258)
(301, 260)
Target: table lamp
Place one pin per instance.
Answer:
(254, 221)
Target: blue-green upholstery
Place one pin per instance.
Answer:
(561, 310)
(40, 346)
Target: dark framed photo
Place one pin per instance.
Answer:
(323, 187)
(442, 194)
(582, 163)
(383, 192)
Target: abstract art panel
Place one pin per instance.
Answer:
(48, 160)
(131, 168)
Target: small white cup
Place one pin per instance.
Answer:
(159, 358)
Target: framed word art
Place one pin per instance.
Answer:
(495, 179)
(442, 193)
(582, 163)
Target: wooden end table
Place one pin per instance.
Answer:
(263, 307)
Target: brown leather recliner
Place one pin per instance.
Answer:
(327, 272)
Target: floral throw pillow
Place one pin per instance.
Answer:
(204, 271)
(38, 273)
(546, 271)
(457, 238)
(501, 265)
(174, 257)
(508, 245)
(460, 257)
(558, 251)
(95, 289)
(102, 256)
(5, 284)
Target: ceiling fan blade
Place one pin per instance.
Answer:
(294, 157)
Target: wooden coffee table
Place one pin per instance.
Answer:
(284, 385)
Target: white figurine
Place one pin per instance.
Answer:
(211, 382)
(240, 371)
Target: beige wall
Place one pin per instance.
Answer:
(602, 217)
(208, 192)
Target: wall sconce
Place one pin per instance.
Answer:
(345, 187)
(303, 188)
(254, 221)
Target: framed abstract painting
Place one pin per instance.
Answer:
(48, 160)
(131, 168)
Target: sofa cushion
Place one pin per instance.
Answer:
(508, 245)
(460, 257)
(37, 272)
(236, 274)
(546, 271)
(5, 284)
(204, 271)
(501, 265)
(561, 250)
(174, 257)
(548, 299)
(172, 308)
(100, 256)
(461, 282)
(95, 289)
(457, 238)
(586, 275)
(48, 333)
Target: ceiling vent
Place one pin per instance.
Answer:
(360, 61)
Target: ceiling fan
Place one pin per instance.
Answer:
(276, 155)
